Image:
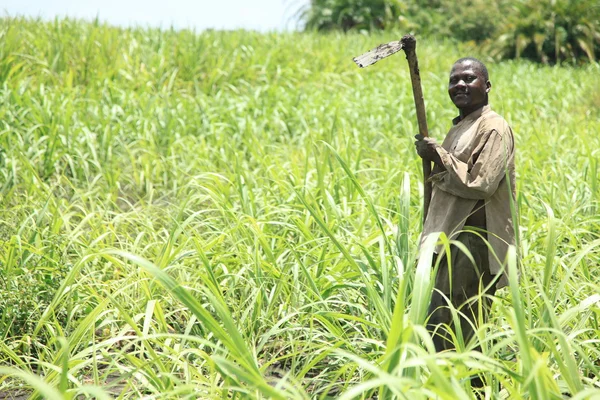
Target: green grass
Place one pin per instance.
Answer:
(235, 215)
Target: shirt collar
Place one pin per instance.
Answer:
(474, 115)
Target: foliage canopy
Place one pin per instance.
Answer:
(548, 31)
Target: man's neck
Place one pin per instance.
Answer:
(464, 113)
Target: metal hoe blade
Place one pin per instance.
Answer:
(379, 53)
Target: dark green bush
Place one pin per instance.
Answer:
(550, 31)
(323, 15)
(465, 20)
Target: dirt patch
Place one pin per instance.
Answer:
(14, 394)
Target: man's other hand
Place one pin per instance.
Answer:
(426, 149)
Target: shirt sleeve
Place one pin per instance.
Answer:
(482, 180)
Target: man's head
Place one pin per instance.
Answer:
(469, 85)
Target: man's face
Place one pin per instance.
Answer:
(468, 87)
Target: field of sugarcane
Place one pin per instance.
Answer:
(235, 215)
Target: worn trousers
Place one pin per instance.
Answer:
(464, 282)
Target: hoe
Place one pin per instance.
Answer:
(408, 43)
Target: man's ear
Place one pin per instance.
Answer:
(488, 87)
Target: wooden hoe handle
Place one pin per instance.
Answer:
(409, 44)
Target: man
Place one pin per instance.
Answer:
(473, 188)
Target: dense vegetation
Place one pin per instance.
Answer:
(548, 31)
(235, 215)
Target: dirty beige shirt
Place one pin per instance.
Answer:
(478, 156)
